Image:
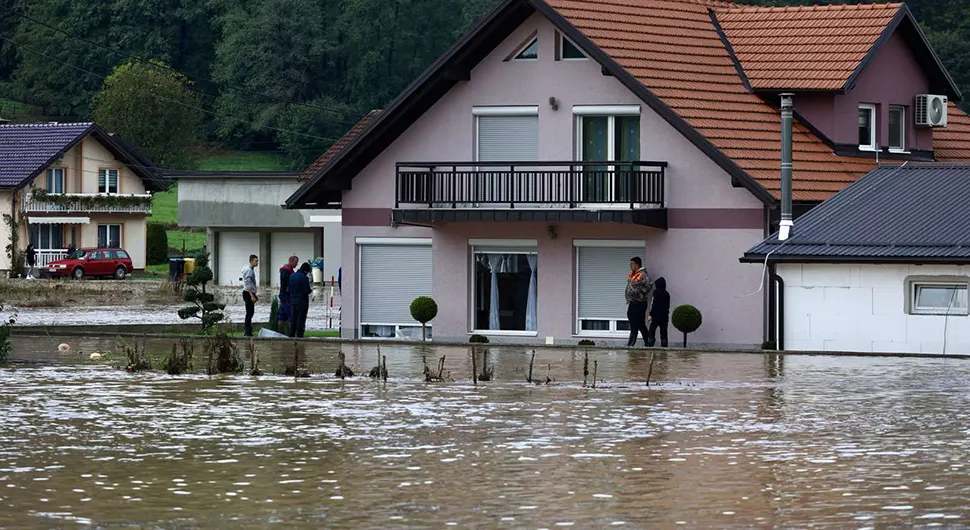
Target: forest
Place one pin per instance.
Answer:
(284, 76)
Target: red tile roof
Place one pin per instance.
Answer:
(952, 143)
(804, 48)
(674, 49)
(317, 165)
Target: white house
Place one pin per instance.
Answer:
(883, 266)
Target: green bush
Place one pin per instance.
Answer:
(478, 339)
(587, 342)
(687, 319)
(274, 314)
(769, 345)
(156, 244)
(424, 309)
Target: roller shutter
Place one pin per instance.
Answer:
(391, 276)
(602, 281)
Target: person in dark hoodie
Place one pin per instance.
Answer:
(285, 272)
(659, 313)
(299, 300)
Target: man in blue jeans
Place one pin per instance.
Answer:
(285, 272)
(249, 292)
(300, 300)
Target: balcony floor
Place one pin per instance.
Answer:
(652, 217)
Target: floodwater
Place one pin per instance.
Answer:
(718, 440)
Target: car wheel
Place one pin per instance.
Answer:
(78, 273)
(120, 273)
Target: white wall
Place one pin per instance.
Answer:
(862, 308)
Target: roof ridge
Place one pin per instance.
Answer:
(46, 124)
(740, 8)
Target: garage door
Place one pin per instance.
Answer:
(234, 251)
(391, 276)
(286, 244)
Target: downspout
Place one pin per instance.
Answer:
(785, 228)
(778, 317)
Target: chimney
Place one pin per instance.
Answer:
(786, 226)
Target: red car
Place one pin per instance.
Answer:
(103, 262)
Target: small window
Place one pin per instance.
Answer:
(897, 128)
(55, 181)
(122, 254)
(108, 181)
(109, 236)
(530, 52)
(867, 127)
(569, 51)
(94, 256)
(929, 298)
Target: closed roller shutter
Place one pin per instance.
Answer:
(508, 138)
(602, 281)
(391, 276)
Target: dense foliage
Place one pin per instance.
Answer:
(157, 244)
(687, 319)
(424, 309)
(203, 304)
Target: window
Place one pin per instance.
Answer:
(94, 256)
(867, 127)
(529, 52)
(385, 293)
(108, 181)
(897, 128)
(46, 236)
(109, 254)
(566, 50)
(938, 298)
(55, 181)
(109, 236)
(122, 254)
(505, 288)
(601, 271)
(611, 137)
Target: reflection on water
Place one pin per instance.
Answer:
(724, 440)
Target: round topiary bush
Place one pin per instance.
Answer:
(424, 309)
(478, 339)
(687, 319)
(587, 342)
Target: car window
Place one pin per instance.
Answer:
(109, 254)
(77, 254)
(122, 254)
(94, 256)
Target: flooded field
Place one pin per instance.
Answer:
(718, 441)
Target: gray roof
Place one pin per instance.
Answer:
(246, 174)
(916, 213)
(25, 149)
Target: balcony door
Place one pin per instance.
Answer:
(507, 137)
(607, 134)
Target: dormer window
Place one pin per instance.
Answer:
(566, 50)
(897, 128)
(528, 52)
(867, 127)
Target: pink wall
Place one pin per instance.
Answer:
(893, 77)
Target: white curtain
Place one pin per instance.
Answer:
(494, 262)
(530, 306)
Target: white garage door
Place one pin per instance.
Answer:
(286, 244)
(234, 251)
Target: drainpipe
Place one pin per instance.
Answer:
(785, 228)
(778, 316)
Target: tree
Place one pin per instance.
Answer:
(318, 126)
(687, 319)
(204, 305)
(152, 106)
(424, 309)
(157, 244)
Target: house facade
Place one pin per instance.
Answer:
(516, 178)
(241, 213)
(870, 271)
(72, 183)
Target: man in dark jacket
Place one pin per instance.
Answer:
(285, 272)
(659, 313)
(299, 300)
(31, 260)
(637, 295)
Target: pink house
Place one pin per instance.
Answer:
(514, 180)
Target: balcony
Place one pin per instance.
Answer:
(622, 192)
(87, 203)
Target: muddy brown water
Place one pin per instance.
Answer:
(720, 441)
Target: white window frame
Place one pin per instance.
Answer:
(404, 241)
(578, 244)
(562, 47)
(52, 175)
(873, 127)
(107, 181)
(107, 243)
(902, 133)
(611, 112)
(509, 246)
(515, 55)
(914, 285)
(512, 110)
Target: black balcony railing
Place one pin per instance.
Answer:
(546, 184)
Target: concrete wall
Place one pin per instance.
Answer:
(711, 222)
(893, 77)
(238, 203)
(864, 308)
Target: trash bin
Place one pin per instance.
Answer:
(176, 268)
(189, 265)
(317, 265)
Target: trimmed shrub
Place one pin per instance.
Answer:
(587, 342)
(424, 309)
(687, 319)
(156, 244)
(478, 339)
(274, 314)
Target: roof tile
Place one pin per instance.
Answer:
(317, 165)
(26, 148)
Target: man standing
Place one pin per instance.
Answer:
(659, 313)
(285, 272)
(300, 298)
(249, 292)
(31, 260)
(637, 294)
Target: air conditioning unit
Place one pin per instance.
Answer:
(930, 110)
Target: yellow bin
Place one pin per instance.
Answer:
(189, 265)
